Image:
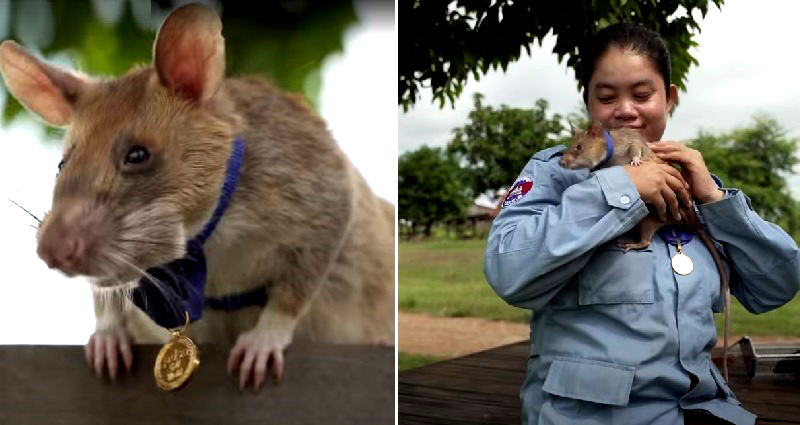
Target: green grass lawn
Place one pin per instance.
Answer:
(445, 278)
(410, 361)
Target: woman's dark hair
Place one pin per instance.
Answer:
(631, 37)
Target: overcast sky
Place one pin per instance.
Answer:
(748, 64)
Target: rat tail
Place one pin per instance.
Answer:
(726, 292)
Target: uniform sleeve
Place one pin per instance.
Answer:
(764, 260)
(537, 244)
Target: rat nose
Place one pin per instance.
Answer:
(64, 238)
(65, 253)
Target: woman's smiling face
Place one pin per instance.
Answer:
(626, 90)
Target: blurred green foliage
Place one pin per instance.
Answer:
(496, 143)
(430, 187)
(285, 41)
(452, 40)
(756, 159)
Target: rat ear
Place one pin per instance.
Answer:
(596, 129)
(189, 52)
(47, 91)
(573, 129)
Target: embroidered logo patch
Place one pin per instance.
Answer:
(520, 188)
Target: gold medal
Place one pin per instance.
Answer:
(681, 262)
(177, 360)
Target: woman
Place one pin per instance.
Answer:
(620, 337)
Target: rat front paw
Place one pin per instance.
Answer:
(636, 161)
(104, 349)
(627, 246)
(252, 354)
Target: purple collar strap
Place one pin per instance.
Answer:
(670, 235)
(180, 284)
(609, 149)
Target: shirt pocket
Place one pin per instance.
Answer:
(590, 380)
(614, 276)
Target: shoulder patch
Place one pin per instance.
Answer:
(548, 153)
(520, 188)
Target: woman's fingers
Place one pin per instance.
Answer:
(670, 170)
(671, 201)
(673, 152)
(660, 205)
(679, 187)
(675, 180)
(665, 147)
(661, 186)
(673, 156)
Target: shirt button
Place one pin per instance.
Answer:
(625, 199)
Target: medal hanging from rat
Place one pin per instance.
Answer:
(681, 263)
(182, 283)
(177, 360)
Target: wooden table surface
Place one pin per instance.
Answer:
(322, 384)
(483, 388)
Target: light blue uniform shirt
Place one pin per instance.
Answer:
(615, 335)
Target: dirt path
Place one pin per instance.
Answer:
(454, 336)
(458, 336)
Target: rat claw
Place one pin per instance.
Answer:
(260, 370)
(88, 350)
(235, 359)
(99, 358)
(245, 368)
(104, 349)
(277, 366)
(111, 360)
(127, 355)
(262, 350)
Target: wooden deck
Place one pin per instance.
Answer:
(322, 384)
(483, 388)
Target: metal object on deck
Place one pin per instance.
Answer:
(770, 359)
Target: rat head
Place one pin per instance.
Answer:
(144, 155)
(588, 148)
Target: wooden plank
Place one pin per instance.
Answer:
(466, 397)
(330, 384)
(483, 388)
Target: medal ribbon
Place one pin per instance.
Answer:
(181, 283)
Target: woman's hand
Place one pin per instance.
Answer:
(693, 169)
(660, 185)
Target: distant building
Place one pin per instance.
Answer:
(485, 208)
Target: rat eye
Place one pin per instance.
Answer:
(61, 164)
(579, 147)
(137, 155)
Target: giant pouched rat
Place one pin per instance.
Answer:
(145, 158)
(589, 149)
